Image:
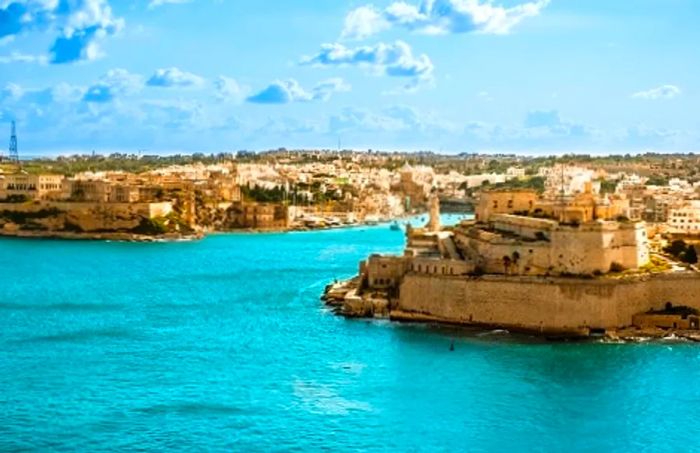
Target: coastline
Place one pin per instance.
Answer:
(176, 237)
(103, 236)
(490, 303)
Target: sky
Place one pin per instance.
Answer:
(523, 76)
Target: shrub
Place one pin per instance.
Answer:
(690, 256)
(616, 267)
(676, 247)
(150, 227)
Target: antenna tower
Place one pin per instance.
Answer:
(14, 156)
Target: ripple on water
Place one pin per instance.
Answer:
(223, 345)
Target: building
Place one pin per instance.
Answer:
(86, 190)
(517, 234)
(566, 180)
(505, 202)
(258, 215)
(30, 187)
(414, 184)
(522, 245)
(685, 219)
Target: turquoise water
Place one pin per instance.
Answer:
(223, 345)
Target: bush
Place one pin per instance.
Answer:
(16, 199)
(616, 267)
(676, 248)
(20, 217)
(684, 252)
(150, 227)
(690, 256)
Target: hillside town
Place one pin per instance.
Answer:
(284, 190)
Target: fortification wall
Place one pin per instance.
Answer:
(542, 304)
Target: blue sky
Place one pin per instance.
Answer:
(532, 76)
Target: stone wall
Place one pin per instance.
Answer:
(383, 272)
(542, 304)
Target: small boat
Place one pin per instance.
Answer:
(395, 226)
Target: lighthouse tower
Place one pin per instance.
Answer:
(434, 221)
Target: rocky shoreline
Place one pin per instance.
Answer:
(168, 237)
(102, 236)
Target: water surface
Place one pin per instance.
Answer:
(223, 345)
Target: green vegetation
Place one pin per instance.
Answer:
(16, 199)
(20, 217)
(262, 195)
(536, 183)
(684, 252)
(151, 227)
(657, 180)
(607, 186)
(162, 225)
(116, 162)
(656, 265)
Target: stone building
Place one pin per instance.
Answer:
(685, 219)
(520, 245)
(414, 184)
(82, 190)
(30, 187)
(258, 215)
(505, 202)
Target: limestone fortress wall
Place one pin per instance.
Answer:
(541, 304)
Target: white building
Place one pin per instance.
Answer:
(568, 180)
(685, 219)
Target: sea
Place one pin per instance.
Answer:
(223, 345)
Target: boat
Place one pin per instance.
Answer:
(395, 226)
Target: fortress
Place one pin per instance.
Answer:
(572, 266)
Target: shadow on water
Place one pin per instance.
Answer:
(79, 336)
(62, 307)
(191, 408)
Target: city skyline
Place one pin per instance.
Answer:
(168, 76)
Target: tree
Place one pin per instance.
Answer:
(690, 256)
(676, 248)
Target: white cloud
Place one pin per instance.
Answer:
(84, 24)
(18, 57)
(229, 90)
(288, 91)
(6, 40)
(157, 3)
(174, 77)
(395, 59)
(323, 90)
(440, 17)
(12, 91)
(363, 22)
(66, 93)
(77, 25)
(115, 82)
(662, 92)
(397, 118)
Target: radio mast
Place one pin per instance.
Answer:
(14, 155)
